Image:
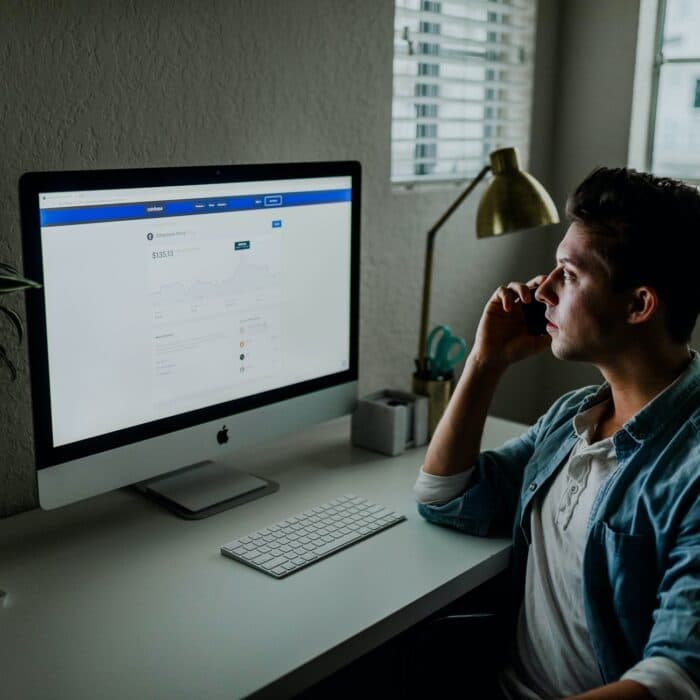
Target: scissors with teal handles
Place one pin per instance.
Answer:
(444, 351)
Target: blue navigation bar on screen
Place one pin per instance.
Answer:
(185, 207)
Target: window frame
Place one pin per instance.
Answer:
(658, 62)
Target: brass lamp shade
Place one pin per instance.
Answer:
(513, 200)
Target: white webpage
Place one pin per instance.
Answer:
(152, 317)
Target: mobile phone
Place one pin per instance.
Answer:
(534, 317)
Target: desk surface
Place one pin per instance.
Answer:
(114, 597)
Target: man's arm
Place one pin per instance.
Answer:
(455, 444)
(501, 339)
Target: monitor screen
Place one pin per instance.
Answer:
(176, 297)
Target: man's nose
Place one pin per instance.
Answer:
(545, 292)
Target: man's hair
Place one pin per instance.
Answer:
(648, 233)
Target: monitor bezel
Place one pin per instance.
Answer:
(32, 184)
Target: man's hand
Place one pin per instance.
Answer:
(620, 690)
(502, 336)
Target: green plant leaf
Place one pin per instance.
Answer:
(5, 360)
(13, 282)
(16, 320)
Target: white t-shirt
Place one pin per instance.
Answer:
(554, 655)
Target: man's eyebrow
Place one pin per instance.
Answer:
(576, 262)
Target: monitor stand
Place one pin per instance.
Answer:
(205, 488)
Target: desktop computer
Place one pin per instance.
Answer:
(186, 313)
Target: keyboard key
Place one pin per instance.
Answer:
(274, 563)
(326, 548)
(261, 559)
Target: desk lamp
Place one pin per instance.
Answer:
(512, 201)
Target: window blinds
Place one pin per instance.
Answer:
(463, 73)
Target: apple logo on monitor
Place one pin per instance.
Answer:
(222, 436)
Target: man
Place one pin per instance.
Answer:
(602, 494)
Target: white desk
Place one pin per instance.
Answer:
(115, 598)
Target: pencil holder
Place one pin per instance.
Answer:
(390, 421)
(438, 392)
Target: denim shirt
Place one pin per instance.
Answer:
(641, 564)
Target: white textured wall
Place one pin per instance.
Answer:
(166, 82)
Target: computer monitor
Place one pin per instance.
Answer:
(186, 313)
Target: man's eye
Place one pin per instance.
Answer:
(566, 276)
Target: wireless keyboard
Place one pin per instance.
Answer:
(291, 544)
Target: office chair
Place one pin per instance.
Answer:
(462, 651)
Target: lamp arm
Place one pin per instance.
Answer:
(428, 272)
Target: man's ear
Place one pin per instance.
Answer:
(643, 304)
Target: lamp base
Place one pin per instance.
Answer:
(438, 392)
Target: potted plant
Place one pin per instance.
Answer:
(12, 281)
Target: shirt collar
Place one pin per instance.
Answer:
(586, 421)
(645, 423)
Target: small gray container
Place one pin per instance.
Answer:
(389, 421)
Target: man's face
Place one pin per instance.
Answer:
(586, 318)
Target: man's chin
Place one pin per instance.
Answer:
(561, 350)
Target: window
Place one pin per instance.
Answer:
(463, 73)
(675, 112)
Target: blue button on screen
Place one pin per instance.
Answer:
(242, 245)
(277, 223)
